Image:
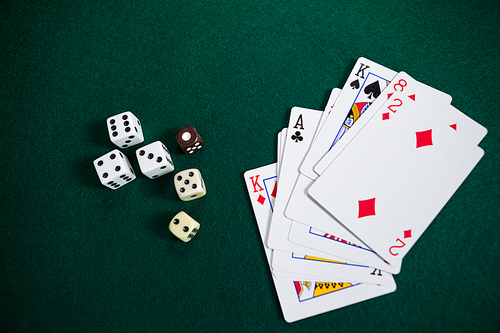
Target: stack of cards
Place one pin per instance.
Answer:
(356, 185)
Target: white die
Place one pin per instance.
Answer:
(114, 169)
(154, 160)
(189, 185)
(125, 129)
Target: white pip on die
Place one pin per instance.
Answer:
(184, 226)
(154, 160)
(189, 185)
(125, 129)
(114, 169)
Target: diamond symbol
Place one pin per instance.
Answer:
(261, 199)
(366, 207)
(407, 233)
(424, 138)
(385, 116)
(454, 126)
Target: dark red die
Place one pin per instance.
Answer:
(189, 140)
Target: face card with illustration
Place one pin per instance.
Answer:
(262, 204)
(301, 299)
(411, 161)
(402, 82)
(365, 83)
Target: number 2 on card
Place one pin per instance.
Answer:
(396, 247)
(391, 107)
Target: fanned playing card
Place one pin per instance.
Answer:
(356, 193)
(411, 159)
(301, 128)
(363, 86)
(325, 233)
(308, 266)
(401, 83)
(300, 299)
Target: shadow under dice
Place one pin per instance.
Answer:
(189, 185)
(125, 129)
(183, 226)
(154, 160)
(114, 169)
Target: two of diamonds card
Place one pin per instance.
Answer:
(356, 185)
(414, 156)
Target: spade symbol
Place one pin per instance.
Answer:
(373, 89)
(355, 84)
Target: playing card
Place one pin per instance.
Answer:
(303, 299)
(335, 270)
(302, 208)
(281, 146)
(401, 169)
(290, 261)
(337, 241)
(333, 245)
(282, 135)
(365, 83)
(288, 265)
(281, 275)
(334, 94)
(401, 83)
(301, 128)
(286, 276)
(309, 266)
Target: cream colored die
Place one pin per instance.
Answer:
(183, 226)
(189, 185)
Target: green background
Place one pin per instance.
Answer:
(77, 257)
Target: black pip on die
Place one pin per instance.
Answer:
(189, 139)
(125, 129)
(154, 160)
(114, 169)
(189, 185)
(183, 226)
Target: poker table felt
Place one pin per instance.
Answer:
(77, 257)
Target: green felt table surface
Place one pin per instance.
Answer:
(77, 257)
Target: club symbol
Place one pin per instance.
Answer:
(297, 137)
